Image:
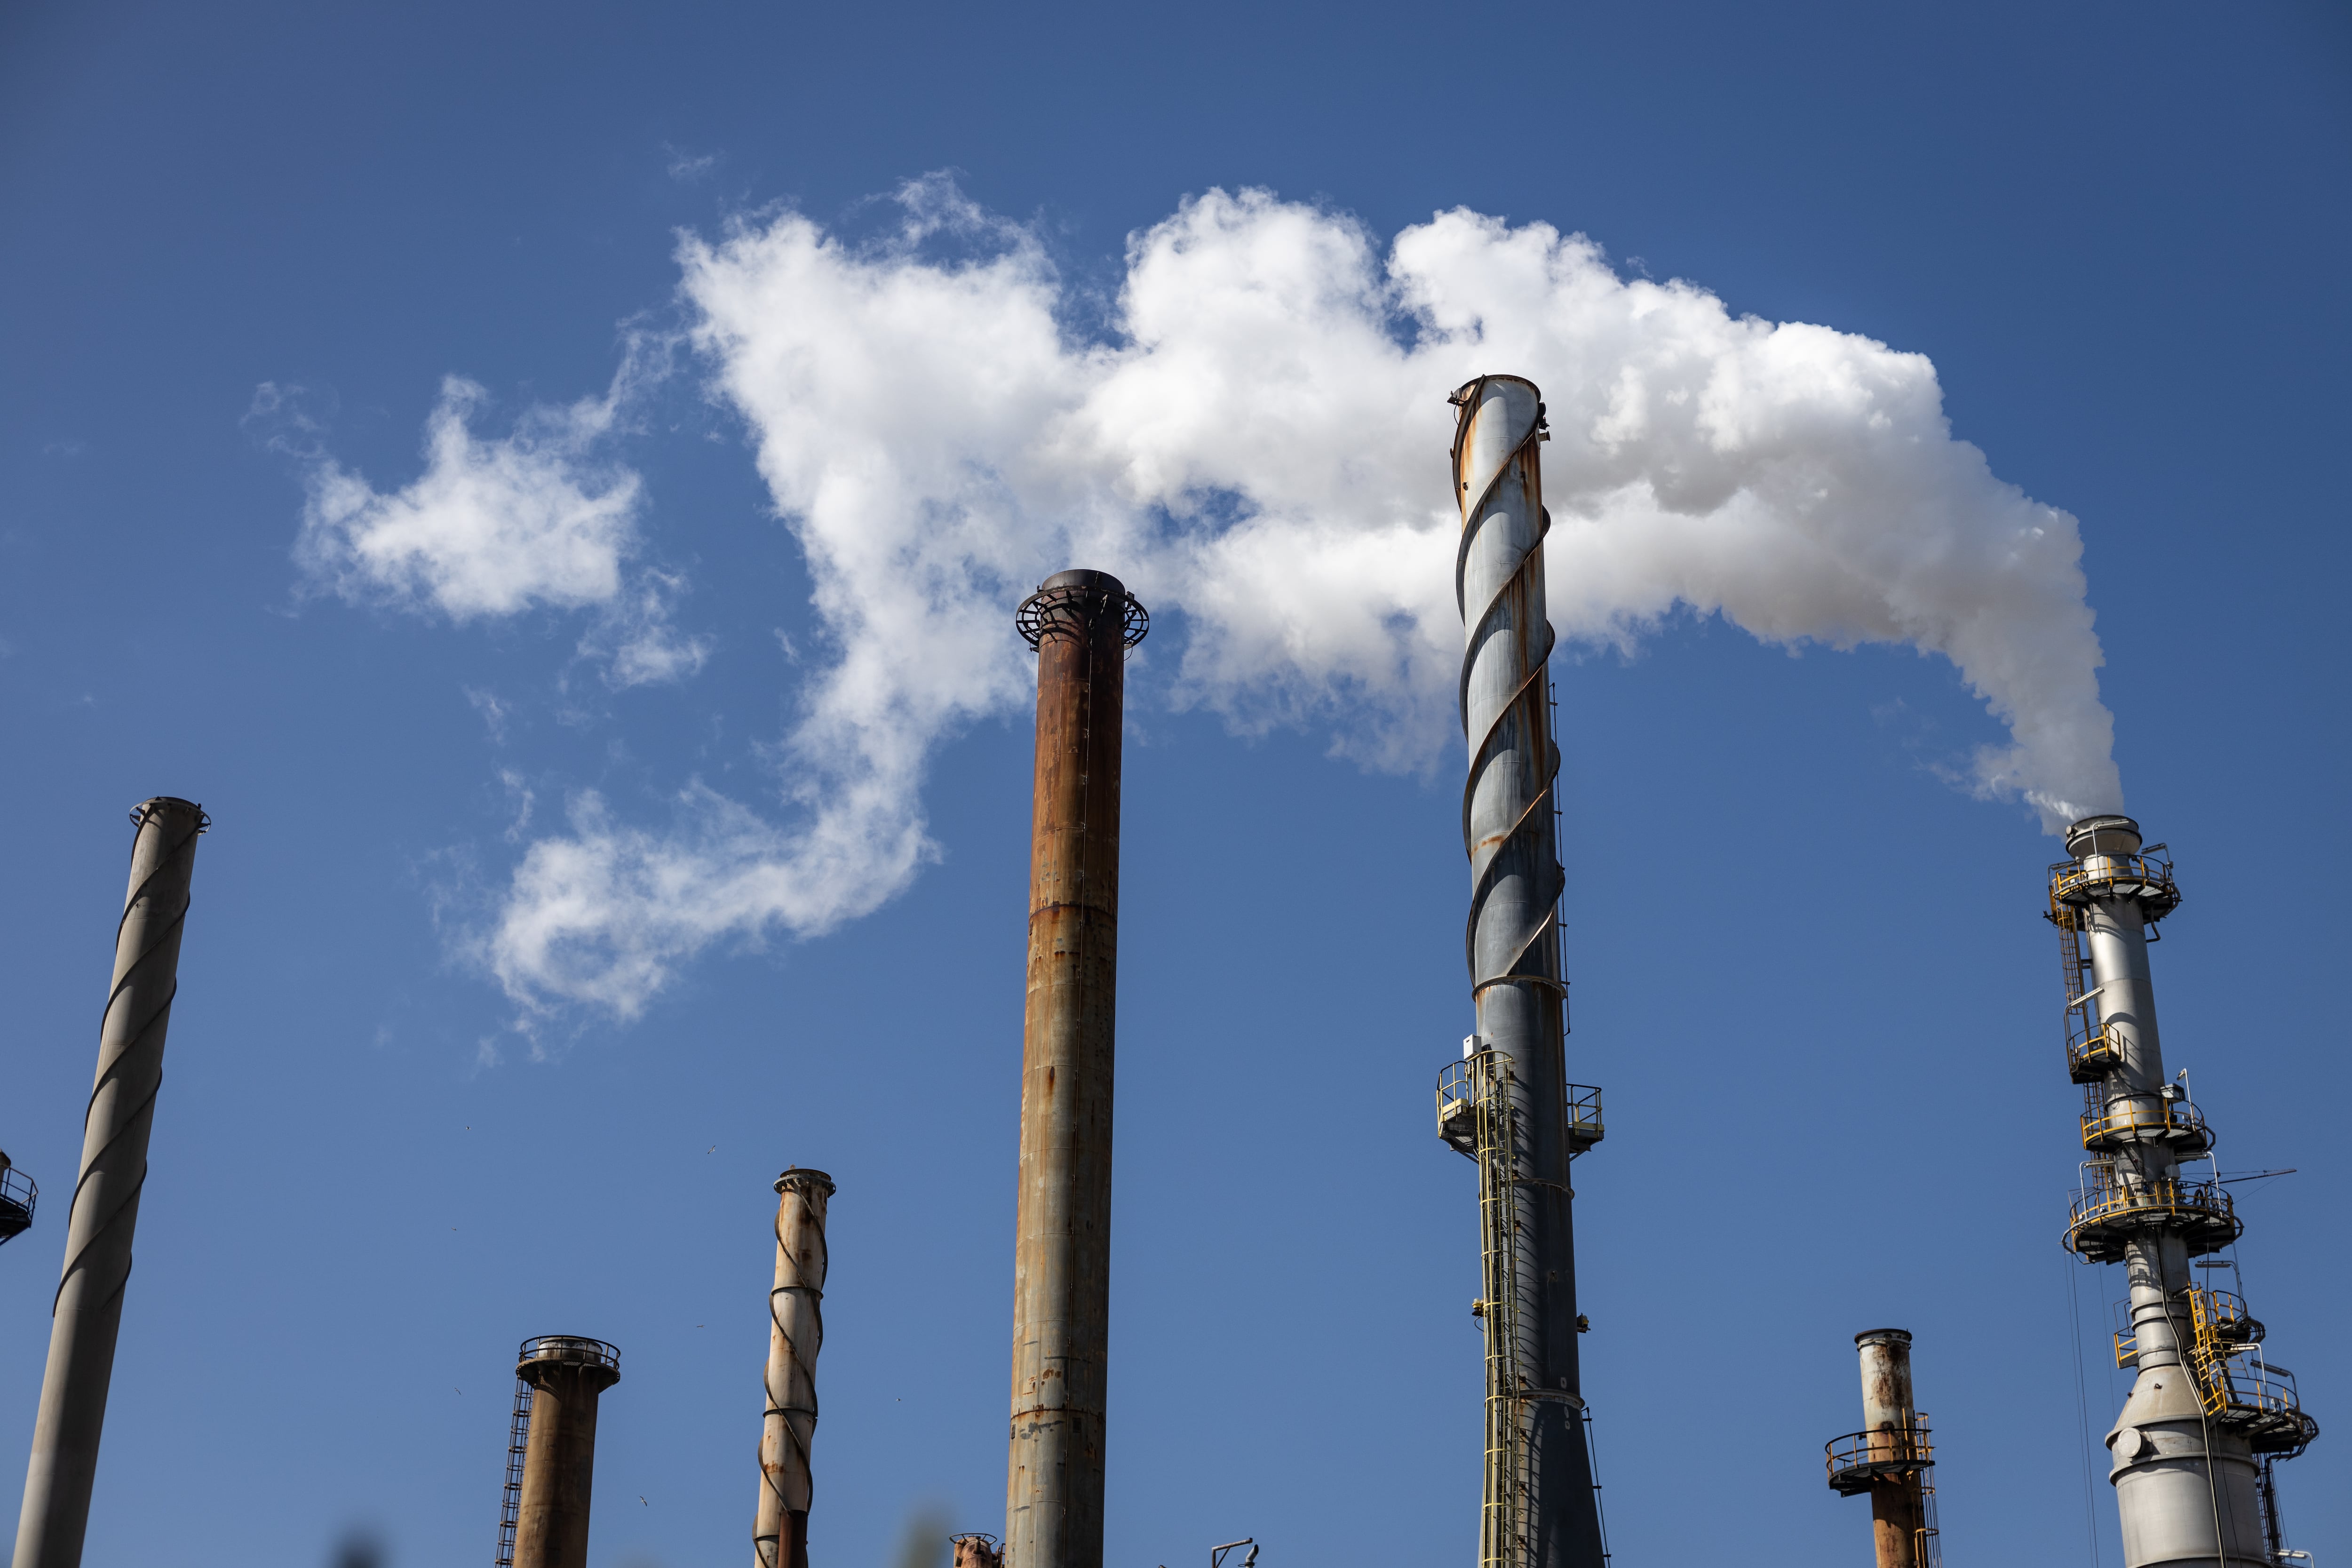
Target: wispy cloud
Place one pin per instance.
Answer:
(687, 167)
(542, 517)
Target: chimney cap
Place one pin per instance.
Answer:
(801, 1176)
(1882, 1336)
(2110, 833)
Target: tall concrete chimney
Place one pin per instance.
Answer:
(795, 1334)
(88, 1311)
(567, 1375)
(1081, 623)
(2208, 1405)
(1539, 1509)
(1890, 1458)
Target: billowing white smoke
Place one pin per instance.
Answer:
(1259, 442)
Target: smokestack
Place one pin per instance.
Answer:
(1890, 1458)
(566, 1374)
(1081, 623)
(88, 1309)
(795, 1334)
(2207, 1404)
(1539, 1509)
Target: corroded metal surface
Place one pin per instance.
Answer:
(1080, 624)
(88, 1309)
(1540, 1509)
(795, 1334)
(568, 1375)
(1897, 1450)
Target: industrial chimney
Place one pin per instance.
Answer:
(552, 1456)
(87, 1312)
(1890, 1458)
(795, 1334)
(1081, 623)
(2209, 1411)
(1507, 1104)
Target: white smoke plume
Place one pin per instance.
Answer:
(1256, 437)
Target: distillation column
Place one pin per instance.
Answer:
(87, 1312)
(1540, 1509)
(2206, 1400)
(1081, 623)
(567, 1375)
(795, 1334)
(1890, 1458)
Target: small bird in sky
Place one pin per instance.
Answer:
(712, 1150)
(459, 1390)
(646, 1504)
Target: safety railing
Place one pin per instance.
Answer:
(1584, 1127)
(2102, 1214)
(1459, 1088)
(18, 1195)
(2146, 877)
(2092, 1054)
(1458, 1103)
(570, 1349)
(1858, 1458)
(2126, 1347)
(2137, 1121)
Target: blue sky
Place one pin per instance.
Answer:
(411, 1116)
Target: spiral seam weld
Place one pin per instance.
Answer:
(1037, 619)
(770, 1548)
(1466, 399)
(108, 1073)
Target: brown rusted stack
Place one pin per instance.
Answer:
(567, 1375)
(977, 1552)
(1081, 623)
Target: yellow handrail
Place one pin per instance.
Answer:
(2168, 1119)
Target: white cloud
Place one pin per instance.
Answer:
(1259, 441)
(496, 526)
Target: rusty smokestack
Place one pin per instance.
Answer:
(1081, 623)
(567, 1375)
(795, 1334)
(976, 1551)
(1891, 1457)
(87, 1312)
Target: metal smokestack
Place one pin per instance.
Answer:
(1890, 1458)
(547, 1501)
(88, 1311)
(1540, 1509)
(2207, 1402)
(1081, 623)
(795, 1334)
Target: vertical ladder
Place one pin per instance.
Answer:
(518, 1439)
(1502, 1524)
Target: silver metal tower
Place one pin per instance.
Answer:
(2209, 1410)
(1507, 1103)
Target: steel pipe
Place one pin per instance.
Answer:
(1081, 623)
(795, 1334)
(86, 1313)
